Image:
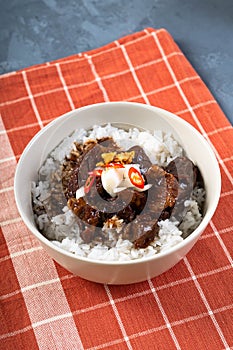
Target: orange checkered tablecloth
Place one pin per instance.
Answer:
(43, 306)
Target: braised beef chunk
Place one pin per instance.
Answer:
(134, 207)
(85, 212)
(138, 201)
(139, 211)
(159, 201)
(106, 204)
(163, 192)
(128, 214)
(184, 170)
(186, 174)
(146, 237)
(141, 158)
(141, 231)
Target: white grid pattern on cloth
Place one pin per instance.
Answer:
(8, 222)
(218, 328)
(198, 123)
(203, 131)
(7, 189)
(229, 127)
(122, 328)
(46, 312)
(226, 159)
(179, 112)
(132, 70)
(3, 160)
(56, 310)
(163, 88)
(32, 100)
(6, 148)
(65, 86)
(194, 277)
(21, 252)
(226, 252)
(107, 76)
(80, 56)
(189, 107)
(205, 301)
(163, 327)
(132, 296)
(145, 292)
(165, 317)
(98, 80)
(224, 230)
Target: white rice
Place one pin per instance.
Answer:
(63, 229)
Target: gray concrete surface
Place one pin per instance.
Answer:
(36, 31)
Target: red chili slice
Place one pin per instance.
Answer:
(91, 178)
(89, 182)
(96, 172)
(136, 177)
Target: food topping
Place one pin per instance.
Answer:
(116, 173)
(136, 177)
(107, 158)
(115, 203)
(89, 183)
(116, 158)
(124, 191)
(111, 178)
(114, 165)
(118, 177)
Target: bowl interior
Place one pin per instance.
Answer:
(122, 113)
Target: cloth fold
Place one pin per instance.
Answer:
(43, 305)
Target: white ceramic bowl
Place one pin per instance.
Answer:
(144, 116)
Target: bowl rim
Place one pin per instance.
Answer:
(192, 237)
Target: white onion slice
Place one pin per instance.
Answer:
(80, 192)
